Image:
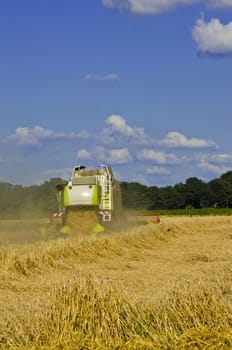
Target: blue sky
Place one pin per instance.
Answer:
(142, 85)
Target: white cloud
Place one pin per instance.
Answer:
(83, 154)
(153, 7)
(32, 136)
(103, 78)
(221, 158)
(157, 157)
(118, 4)
(214, 163)
(117, 124)
(213, 37)
(175, 139)
(219, 3)
(107, 155)
(79, 135)
(105, 138)
(127, 145)
(99, 153)
(218, 159)
(156, 170)
(119, 156)
(216, 169)
(145, 7)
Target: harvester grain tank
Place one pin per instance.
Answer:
(90, 200)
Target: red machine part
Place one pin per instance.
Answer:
(153, 219)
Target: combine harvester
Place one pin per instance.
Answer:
(90, 202)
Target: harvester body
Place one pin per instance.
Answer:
(91, 197)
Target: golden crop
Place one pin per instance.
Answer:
(164, 286)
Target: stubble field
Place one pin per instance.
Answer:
(164, 286)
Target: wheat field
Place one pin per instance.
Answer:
(164, 286)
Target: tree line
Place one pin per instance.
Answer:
(41, 199)
(194, 193)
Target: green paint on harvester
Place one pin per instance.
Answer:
(66, 197)
(98, 228)
(66, 229)
(95, 195)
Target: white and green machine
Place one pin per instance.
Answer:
(90, 200)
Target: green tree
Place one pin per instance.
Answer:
(196, 193)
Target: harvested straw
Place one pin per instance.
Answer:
(82, 220)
